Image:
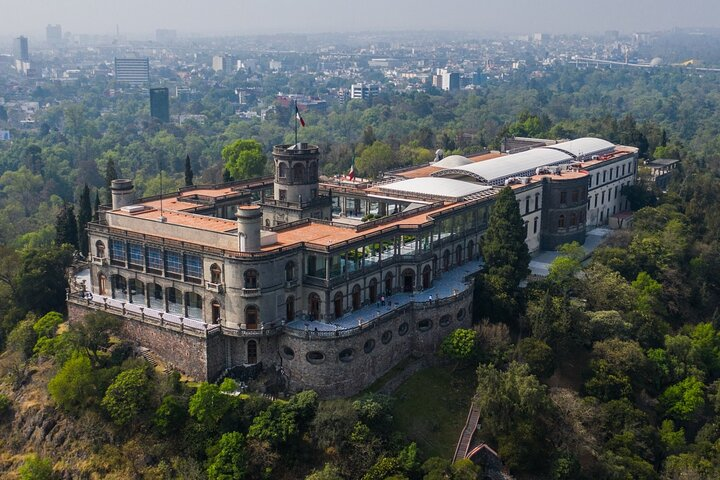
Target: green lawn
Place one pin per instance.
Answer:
(431, 408)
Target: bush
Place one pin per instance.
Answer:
(22, 338)
(227, 458)
(127, 395)
(46, 326)
(538, 355)
(36, 468)
(74, 386)
(5, 404)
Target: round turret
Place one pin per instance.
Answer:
(249, 221)
(123, 193)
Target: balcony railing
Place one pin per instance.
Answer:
(215, 287)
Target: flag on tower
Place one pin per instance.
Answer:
(298, 117)
(351, 173)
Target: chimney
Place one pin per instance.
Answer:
(123, 193)
(249, 220)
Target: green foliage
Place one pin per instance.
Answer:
(23, 337)
(374, 159)
(228, 385)
(93, 333)
(66, 231)
(459, 344)
(244, 159)
(83, 218)
(41, 282)
(208, 404)
(227, 459)
(170, 415)
(673, 440)
(277, 425)
(684, 400)
(46, 326)
(375, 411)
(538, 355)
(189, 175)
(74, 386)
(333, 423)
(127, 396)
(36, 468)
(329, 472)
(5, 404)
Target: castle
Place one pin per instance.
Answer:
(329, 281)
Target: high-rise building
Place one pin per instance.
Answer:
(222, 63)
(364, 90)
(21, 50)
(53, 34)
(135, 71)
(448, 80)
(160, 104)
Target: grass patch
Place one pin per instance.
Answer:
(380, 382)
(431, 408)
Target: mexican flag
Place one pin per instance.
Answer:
(351, 173)
(298, 117)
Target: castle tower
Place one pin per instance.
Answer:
(295, 191)
(123, 193)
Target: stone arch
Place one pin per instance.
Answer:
(314, 306)
(338, 304)
(458, 255)
(136, 290)
(174, 298)
(215, 312)
(156, 296)
(251, 278)
(389, 283)
(290, 308)
(408, 276)
(446, 260)
(426, 277)
(470, 250)
(372, 290)
(298, 173)
(290, 271)
(215, 273)
(282, 170)
(356, 297)
(102, 283)
(252, 352)
(100, 249)
(119, 286)
(194, 305)
(252, 317)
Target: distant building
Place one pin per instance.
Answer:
(163, 35)
(222, 63)
(275, 65)
(446, 80)
(53, 34)
(4, 135)
(160, 104)
(662, 171)
(21, 50)
(135, 71)
(383, 63)
(364, 90)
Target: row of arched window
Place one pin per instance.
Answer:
(298, 172)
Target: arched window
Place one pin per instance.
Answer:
(137, 291)
(408, 280)
(426, 277)
(290, 308)
(561, 221)
(313, 172)
(155, 293)
(458, 255)
(282, 170)
(252, 352)
(372, 290)
(338, 304)
(298, 173)
(251, 317)
(215, 273)
(389, 283)
(174, 301)
(194, 305)
(356, 297)
(251, 279)
(573, 220)
(535, 224)
(290, 271)
(446, 260)
(314, 306)
(99, 249)
(215, 311)
(470, 249)
(119, 286)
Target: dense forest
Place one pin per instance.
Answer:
(607, 368)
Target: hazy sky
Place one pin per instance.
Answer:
(271, 16)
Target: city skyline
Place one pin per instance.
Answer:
(225, 17)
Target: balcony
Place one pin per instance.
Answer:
(99, 261)
(250, 292)
(215, 287)
(291, 283)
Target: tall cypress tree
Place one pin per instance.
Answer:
(505, 252)
(188, 172)
(110, 175)
(66, 227)
(84, 216)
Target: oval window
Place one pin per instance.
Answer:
(386, 337)
(445, 320)
(424, 325)
(403, 328)
(346, 355)
(288, 352)
(460, 315)
(315, 357)
(369, 346)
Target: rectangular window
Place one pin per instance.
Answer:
(535, 222)
(527, 204)
(604, 175)
(616, 190)
(617, 171)
(602, 198)
(623, 169)
(283, 195)
(155, 259)
(537, 201)
(117, 250)
(137, 258)
(575, 196)
(596, 200)
(563, 197)
(597, 179)
(173, 263)
(590, 183)
(193, 266)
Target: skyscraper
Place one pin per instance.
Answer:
(160, 104)
(134, 71)
(53, 34)
(21, 50)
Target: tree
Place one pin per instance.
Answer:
(96, 209)
(208, 404)
(244, 159)
(227, 459)
(66, 227)
(333, 423)
(46, 326)
(110, 175)
(127, 395)
(188, 172)
(41, 282)
(84, 217)
(459, 344)
(374, 159)
(36, 468)
(329, 472)
(538, 355)
(276, 424)
(73, 387)
(505, 252)
(22, 338)
(93, 333)
(170, 415)
(684, 400)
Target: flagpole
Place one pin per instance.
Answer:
(296, 121)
